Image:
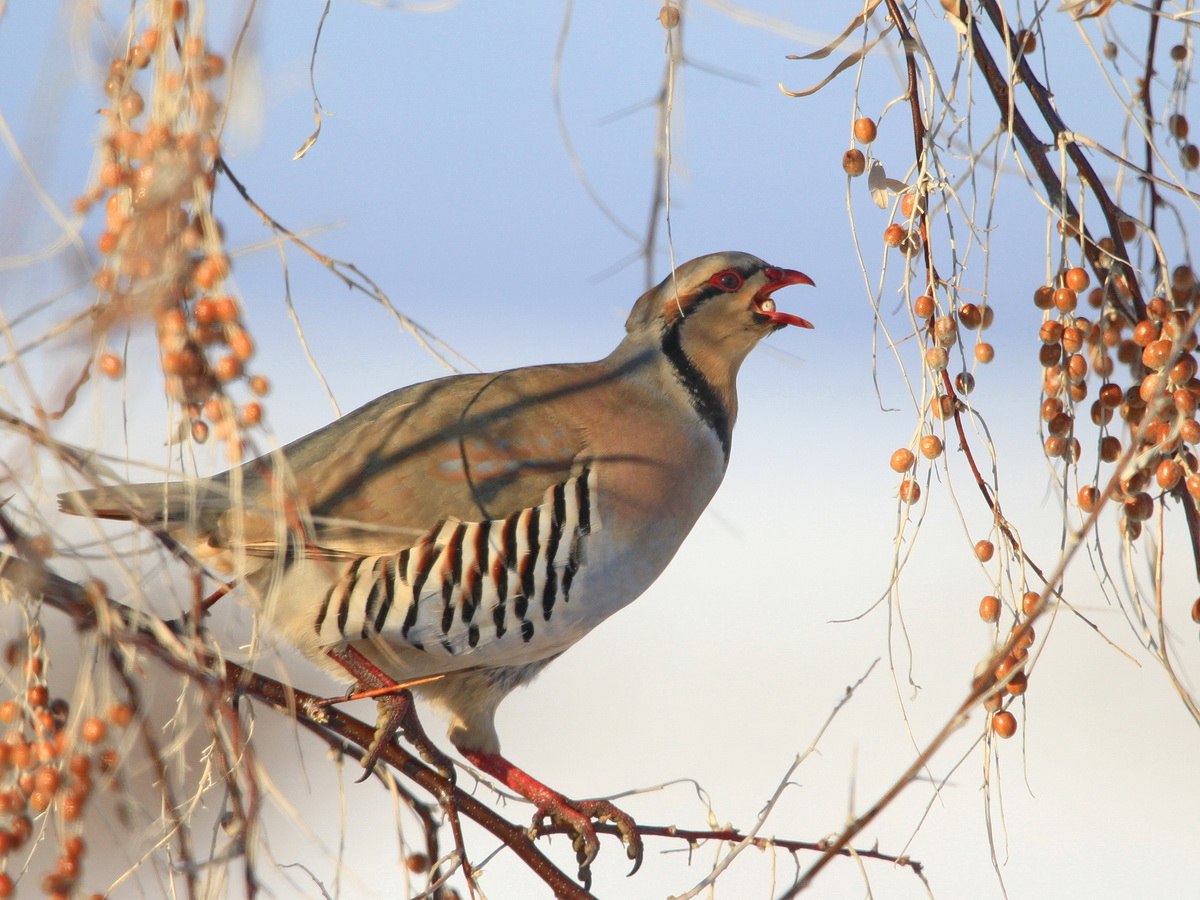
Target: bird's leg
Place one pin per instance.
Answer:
(396, 712)
(574, 815)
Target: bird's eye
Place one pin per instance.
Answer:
(728, 280)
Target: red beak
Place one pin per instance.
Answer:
(765, 304)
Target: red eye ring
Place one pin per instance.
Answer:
(729, 280)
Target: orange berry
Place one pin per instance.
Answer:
(241, 344)
(945, 329)
(923, 306)
(93, 730)
(984, 550)
(865, 130)
(1043, 297)
(251, 414)
(1196, 611)
(47, 779)
(854, 163)
(1066, 299)
(225, 309)
(1029, 602)
(985, 353)
(227, 368)
(417, 863)
(910, 491)
(669, 17)
(902, 460)
(1004, 723)
(1189, 155)
(931, 446)
(110, 364)
(989, 608)
(894, 235)
(120, 714)
(1089, 497)
(1139, 507)
(74, 846)
(1077, 279)
(1178, 125)
(1019, 683)
(1168, 474)
(1110, 448)
(1051, 331)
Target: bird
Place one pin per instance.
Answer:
(464, 532)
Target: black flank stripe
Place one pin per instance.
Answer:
(389, 586)
(455, 548)
(498, 618)
(521, 606)
(584, 500)
(379, 573)
(500, 579)
(424, 564)
(508, 537)
(448, 605)
(553, 539)
(410, 617)
(321, 613)
(529, 563)
(473, 591)
(447, 647)
(571, 568)
(526, 631)
(344, 603)
(473, 635)
(704, 398)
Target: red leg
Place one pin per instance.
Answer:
(575, 815)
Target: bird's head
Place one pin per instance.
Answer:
(732, 289)
(716, 306)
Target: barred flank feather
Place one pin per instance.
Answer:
(462, 577)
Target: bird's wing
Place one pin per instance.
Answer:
(467, 447)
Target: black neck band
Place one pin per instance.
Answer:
(703, 396)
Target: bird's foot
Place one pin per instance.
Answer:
(573, 815)
(576, 816)
(396, 713)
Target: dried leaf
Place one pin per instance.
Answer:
(855, 23)
(839, 69)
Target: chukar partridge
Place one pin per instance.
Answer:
(475, 526)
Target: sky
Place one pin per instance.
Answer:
(442, 172)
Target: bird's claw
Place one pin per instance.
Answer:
(576, 816)
(396, 713)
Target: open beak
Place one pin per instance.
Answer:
(764, 304)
